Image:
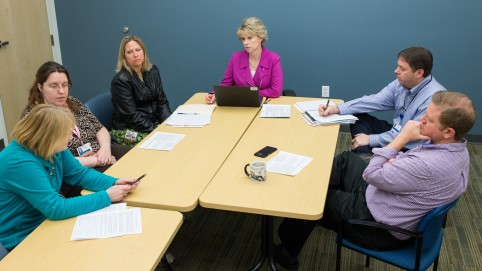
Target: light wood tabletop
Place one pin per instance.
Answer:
(49, 246)
(302, 196)
(175, 179)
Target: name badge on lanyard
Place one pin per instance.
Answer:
(85, 149)
(396, 126)
(131, 135)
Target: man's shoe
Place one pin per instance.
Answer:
(283, 258)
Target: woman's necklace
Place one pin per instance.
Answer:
(253, 65)
(52, 170)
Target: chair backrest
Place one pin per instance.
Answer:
(431, 224)
(3, 251)
(289, 92)
(102, 108)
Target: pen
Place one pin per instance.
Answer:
(309, 116)
(327, 103)
(188, 113)
(267, 100)
(138, 179)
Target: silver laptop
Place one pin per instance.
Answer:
(237, 96)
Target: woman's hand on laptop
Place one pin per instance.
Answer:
(210, 99)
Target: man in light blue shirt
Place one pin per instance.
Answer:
(409, 96)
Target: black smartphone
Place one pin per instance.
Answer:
(264, 152)
(138, 179)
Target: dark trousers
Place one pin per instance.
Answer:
(117, 151)
(345, 200)
(367, 124)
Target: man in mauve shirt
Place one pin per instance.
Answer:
(396, 188)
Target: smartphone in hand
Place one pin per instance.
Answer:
(138, 179)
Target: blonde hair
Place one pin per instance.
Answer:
(121, 58)
(253, 25)
(44, 129)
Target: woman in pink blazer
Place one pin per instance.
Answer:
(255, 66)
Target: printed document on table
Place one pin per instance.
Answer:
(311, 105)
(188, 120)
(162, 141)
(201, 109)
(288, 163)
(275, 111)
(107, 224)
(314, 119)
(112, 208)
(191, 115)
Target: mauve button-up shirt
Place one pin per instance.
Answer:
(402, 192)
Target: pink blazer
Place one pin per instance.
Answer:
(268, 77)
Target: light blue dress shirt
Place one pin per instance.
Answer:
(408, 104)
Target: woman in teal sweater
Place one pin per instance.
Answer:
(35, 164)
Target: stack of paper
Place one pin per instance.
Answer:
(276, 111)
(191, 115)
(314, 119)
(311, 105)
(112, 221)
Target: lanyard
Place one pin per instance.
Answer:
(76, 132)
(405, 107)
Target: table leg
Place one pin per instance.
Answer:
(266, 244)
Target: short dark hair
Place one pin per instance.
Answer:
(457, 112)
(418, 58)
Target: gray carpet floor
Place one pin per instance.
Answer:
(222, 240)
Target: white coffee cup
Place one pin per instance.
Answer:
(257, 172)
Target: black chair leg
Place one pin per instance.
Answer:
(165, 263)
(367, 261)
(338, 256)
(435, 263)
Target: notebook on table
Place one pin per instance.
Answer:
(237, 96)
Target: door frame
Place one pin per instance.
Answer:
(54, 31)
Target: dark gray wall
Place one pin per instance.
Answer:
(347, 44)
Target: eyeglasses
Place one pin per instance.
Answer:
(65, 86)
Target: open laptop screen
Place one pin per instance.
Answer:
(237, 96)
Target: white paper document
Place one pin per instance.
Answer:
(112, 208)
(106, 224)
(202, 109)
(311, 105)
(191, 115)
(314, 119)
(288, 163)
(275, 111)
(188, 120)
(162, 141)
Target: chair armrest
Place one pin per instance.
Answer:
(374, 224)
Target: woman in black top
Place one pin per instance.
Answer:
(140, 103)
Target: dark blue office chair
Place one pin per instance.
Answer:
(3, 251)
(102, 108)
(289, 92)
(418, 255)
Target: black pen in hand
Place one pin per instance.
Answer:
(138, 179)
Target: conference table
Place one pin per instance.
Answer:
(302, 196)
(175, 179)
(49, 247)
